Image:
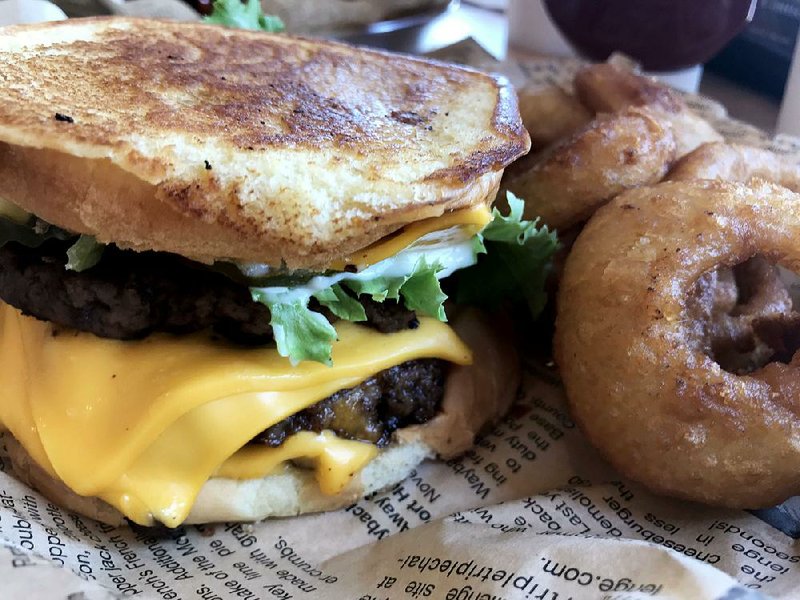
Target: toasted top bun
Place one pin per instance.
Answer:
(221, 143)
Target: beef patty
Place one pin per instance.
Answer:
(129, 295)
(407, 394)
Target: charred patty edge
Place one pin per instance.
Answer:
(407, 394)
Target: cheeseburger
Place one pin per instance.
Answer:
(222, 256)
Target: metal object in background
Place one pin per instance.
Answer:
(420, 33)
(414, 34)
(167, 9)
(161, 9)
(81, 8)
(418, 19)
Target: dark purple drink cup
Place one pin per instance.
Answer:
(662, 35)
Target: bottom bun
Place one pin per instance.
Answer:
(295, 491)
(475, 395)
(291, 492)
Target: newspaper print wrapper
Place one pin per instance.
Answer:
(531, 512)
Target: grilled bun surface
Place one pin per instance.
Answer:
(277, 149)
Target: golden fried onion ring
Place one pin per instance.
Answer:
(733, 162)
(550, 114)
(614, 153)
(656, 405)
(608, 88)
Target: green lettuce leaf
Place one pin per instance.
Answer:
(420, 290)
(512, 228)
(515, 265)
(423, 293)
(30, 235)
(342, 304)
(300, 333)
(84, 254)
(244, 15)
(380, 288)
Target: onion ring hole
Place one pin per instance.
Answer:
(743, 317)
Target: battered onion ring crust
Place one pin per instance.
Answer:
(612, 154)
(655, 404)
(609, 88)
(733, 162)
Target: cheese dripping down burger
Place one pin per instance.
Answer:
(221, 267)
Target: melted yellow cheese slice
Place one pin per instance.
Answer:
(144, 424)
(337, 459)
(472, 220)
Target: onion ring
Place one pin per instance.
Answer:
(733, 162)
(550, 114)
(644, 391)
(608, 88)
(613, 154)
